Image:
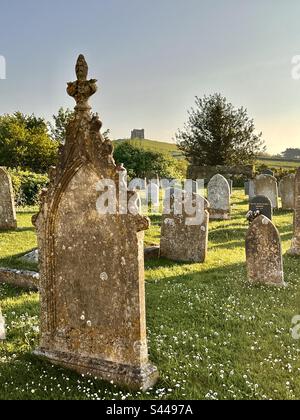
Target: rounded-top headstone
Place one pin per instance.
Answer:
(266, 185)
(267, 172)
(287, 192)
(264, 253)
(219, 198)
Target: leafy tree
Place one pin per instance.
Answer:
(61, 120)
(25, 143)
(142, 163)
(218, 134)
(291, 154)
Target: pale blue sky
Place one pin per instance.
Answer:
(152, 57)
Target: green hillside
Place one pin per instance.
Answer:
(171, 148)
(156, 146)
(277, 163)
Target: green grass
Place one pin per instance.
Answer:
(211, 334)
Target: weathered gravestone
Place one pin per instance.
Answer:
(219, 198)
(91, 262)
(184, 231)
(266, 185)
(295, 249)
(250, 188)
(262, 205)
(2, 327)
(8, 218)
(264, 253)
(287, 192)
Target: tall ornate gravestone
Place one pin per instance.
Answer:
(91, 262)
(184, 237)
(8, 219)
(264, 253)
(295, 249)
(266, 185)
(219, 198)
(287, 192)
(262, 205)
(2, 327)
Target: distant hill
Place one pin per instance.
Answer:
(171, 149)
(277, 163)
(156, 146)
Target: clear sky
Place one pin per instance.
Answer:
(152, 57)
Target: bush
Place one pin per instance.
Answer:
(141, 163)
(27, 186)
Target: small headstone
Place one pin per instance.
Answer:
(219, 198)
(264, 253)
(181, 238)
(91, 261)
(267, 172)
(2, 327)
(295, 249)
(262, 205)
(247, 187)
(8, 219)
(251, 189)
(230, 183)
(152, 194)
(287, 192)
(266, 185)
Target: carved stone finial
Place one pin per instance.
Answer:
(81, 68)
(82, 89)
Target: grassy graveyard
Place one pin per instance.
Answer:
(211, 334)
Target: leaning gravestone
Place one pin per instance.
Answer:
(287, 192)
(8, 218)
(219, 198)
(262, 205)
(264, 253)
(91, 261)
(266, 185)
(184, 237)
(295, 249)
(2, 327)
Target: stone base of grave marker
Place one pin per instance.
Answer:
(141, 378)
(215, 214)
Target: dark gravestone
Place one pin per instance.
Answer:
(267, 172)
(263, 205)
